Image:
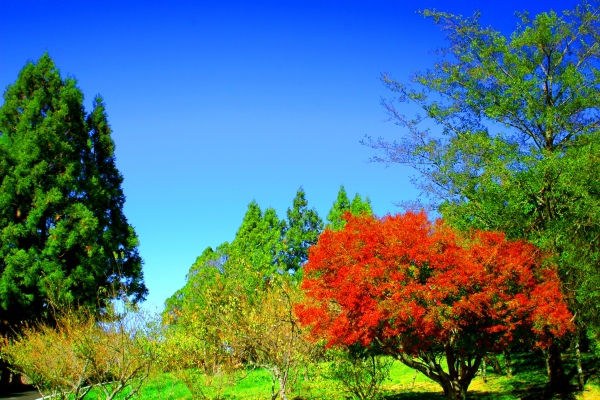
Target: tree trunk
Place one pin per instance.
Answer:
(454, 391)
(508, 364)
(273, 393)
(483, 370)
(414, 379)
(283, 386)
(493, 361)
(580, 375)
(556, 373)
(16, 382)
(454, 385)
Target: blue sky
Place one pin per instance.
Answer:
(214, 104)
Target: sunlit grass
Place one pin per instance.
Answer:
(528, 382)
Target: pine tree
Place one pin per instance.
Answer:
(63, 235)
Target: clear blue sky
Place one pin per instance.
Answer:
(216, 103)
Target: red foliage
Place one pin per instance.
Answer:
(416, 286)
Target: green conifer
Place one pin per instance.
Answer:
(63, 235)
(342, 205)
(303, 228)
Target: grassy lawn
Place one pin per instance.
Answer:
(528, 382)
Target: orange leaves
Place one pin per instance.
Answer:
(403, 279)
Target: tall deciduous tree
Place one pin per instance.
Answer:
(202, 275)
(63, 234)
(302, 230)
(428, 296)
(518, 121)
(200, 318)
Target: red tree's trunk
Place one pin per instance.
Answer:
(556, 372)
(454, 391)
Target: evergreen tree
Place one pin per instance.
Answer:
(258, 241)
(303, 228)
(63, 234)
(360, 206)
(342, 205)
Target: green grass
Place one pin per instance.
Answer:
(528, 382)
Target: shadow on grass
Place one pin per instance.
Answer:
(527, 395)
(440, 396)
(409, 396)
(528, 383)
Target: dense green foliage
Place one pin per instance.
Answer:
(258, 240)
(335, 220)
(302, 230)
(264, 246)
(63, 234)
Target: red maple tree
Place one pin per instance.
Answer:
(427, 295)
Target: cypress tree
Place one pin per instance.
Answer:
(63, 235)
(342, 205)
(303, 228)
(258, 241)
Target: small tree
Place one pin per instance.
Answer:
(426, 295)
(79, 352)
(122, 354)
(51, 358)
(221, 325)
(268, 333)
(198, 324)
(360, 373)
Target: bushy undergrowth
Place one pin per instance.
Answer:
(123, 357)
(80, 353)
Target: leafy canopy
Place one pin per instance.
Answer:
(424, 293)
(507, 137)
